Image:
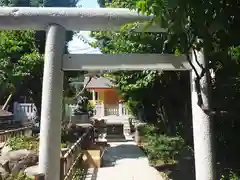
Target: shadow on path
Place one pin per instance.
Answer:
(126, 162)
(182, 170)
(120, 153)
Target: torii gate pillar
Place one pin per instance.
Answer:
(102, 19)
(202, 128)
(50, 134)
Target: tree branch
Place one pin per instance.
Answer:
(195, 55)
(191, 64)
(83, 89)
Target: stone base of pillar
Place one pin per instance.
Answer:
(137, 136)
(115, 132)
(80, 119)
(33, 172)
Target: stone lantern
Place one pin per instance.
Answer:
(80, 113)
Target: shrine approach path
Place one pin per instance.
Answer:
(124, 161)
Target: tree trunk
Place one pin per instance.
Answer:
(7, 101)
(37, 101)
(35, 86)
(202, 125)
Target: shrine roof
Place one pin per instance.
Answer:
(100, 82)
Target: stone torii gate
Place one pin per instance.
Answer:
(56, 21)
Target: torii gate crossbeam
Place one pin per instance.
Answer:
(168, 62)
(73, 19)
(56, 21)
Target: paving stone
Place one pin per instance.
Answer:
(124, 161)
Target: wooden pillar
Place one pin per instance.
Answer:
(93, 96)
(120, 108)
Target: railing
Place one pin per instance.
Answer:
(39, 177)
(15, 132)
(71, 161)
(99, 110)
(111, 109)
(73, 157)
(27, 111)
(102, 109)
(124, 110)
(24, 111)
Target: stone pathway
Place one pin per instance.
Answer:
(124, 161)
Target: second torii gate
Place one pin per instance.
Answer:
(56, 21)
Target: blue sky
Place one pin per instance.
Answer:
(76, 46)
(88, 3)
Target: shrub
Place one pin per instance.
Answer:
(159, 146)
(91, 105)
(23, 142)
(162, 147)
(20, 176)
(147, 130)
(230, 175)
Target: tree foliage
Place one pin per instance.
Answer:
(21, 3)
(22, 54)
(59, 3)
(20, 62)
(149, 94)
(216, 24)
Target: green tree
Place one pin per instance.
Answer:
(59, 3)
(147, 92)
(31, 83)
(216, 24)
(21, 3)
(20, 61)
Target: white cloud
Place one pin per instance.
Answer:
(77, 46)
